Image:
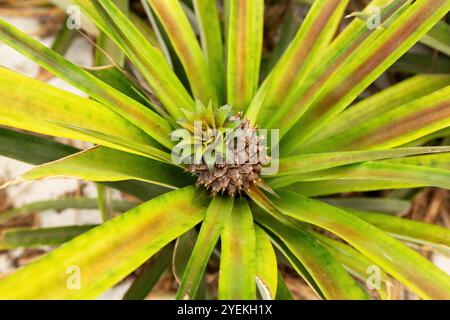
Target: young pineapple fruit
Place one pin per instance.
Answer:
(223, 150)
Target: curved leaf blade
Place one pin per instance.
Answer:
(244, 47)
(375, 204)
(340, 49)
(405, 228)
(33, 149)
(141, 116)
(182, 252)
(31, 105)
(123, 244)
(237, 262)
(107, 49)
(358, 265)
(378, 104)
(417, 273)
(37, 150)
(216, 215)
(61, 204)
(147, 58)
(333, 186)
(185, 43)
(151, 272)
(381, 170)
(331, 278)
(441, 161)
(102, 164)
(35, 237)
(397, 126)
(31, 237)
(313, 36)
(213, 49)
(320, 161)
(438, 38)
(265, 265)
(361, 68)
(283, 292)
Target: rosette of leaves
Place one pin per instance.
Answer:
(331, 142)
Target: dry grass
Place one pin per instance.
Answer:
(432, 206)
(5, 201)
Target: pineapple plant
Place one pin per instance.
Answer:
(152, 98)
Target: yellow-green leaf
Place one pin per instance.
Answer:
(413, 270)
(265, 265)
(244, 47)
(31, 105)
(217, 214)
(104, 164)
(88, 265)
(185, 43)
(237, 261)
